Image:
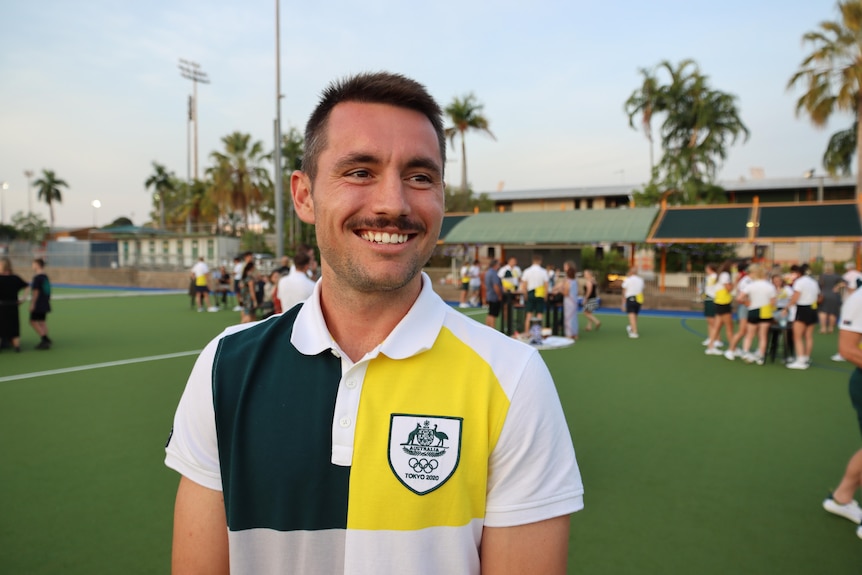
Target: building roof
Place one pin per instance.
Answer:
(836, 221)
(763, 185)
(621, 225)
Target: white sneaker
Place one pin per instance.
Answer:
(629, 329)
(748, 357)
(213, 308)
(859, 532)
(713, 351)
(719, 343)
(738, 352)
(837, 357)
(237, 308)
(797, 365)
(850, 511)
(200, 309)
(463, 305)
(729, 355)
(705, 342)
(759, 360)
(633, 335)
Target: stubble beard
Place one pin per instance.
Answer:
(353, 275)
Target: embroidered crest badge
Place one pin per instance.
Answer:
(424, 450)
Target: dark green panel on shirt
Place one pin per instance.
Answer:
(274, 409)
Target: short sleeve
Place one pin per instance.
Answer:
(533, 474)
(192, 448)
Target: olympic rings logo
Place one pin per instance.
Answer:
(423, 465)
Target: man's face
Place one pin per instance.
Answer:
(377, 198)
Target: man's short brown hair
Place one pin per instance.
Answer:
(371, 88)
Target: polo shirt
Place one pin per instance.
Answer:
(632, 286)
(535, 278)
(393, 464)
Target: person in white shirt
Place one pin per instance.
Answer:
(201, 273)
(758, 295)
(710, 288)
(534, 281)
(238, 267)
(510, 274)
(633, 298)
(723, 311)
(296, 286)
(806, 295)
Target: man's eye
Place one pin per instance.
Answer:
(420, 179)
(359, 174)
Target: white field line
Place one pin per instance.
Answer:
(97, 366)
(118, 293)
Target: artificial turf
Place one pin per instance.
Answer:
(692, 464)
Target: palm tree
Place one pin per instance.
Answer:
(840, 150)
(162, 183)
(699, 125)
(239, 180)
(645, 101)
(466, 114)
(48, 190)
(832, 72)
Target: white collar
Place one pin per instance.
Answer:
(415, 333)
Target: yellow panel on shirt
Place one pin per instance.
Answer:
(425, 430)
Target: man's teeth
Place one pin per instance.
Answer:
(384, 237)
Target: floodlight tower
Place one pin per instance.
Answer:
(279, 174)
(192, 71)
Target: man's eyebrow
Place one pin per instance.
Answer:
(351, 160)
(426, 163)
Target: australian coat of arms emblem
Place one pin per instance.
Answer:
(424, 450)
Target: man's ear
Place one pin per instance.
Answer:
(300, 191)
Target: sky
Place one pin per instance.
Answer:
(92, 90)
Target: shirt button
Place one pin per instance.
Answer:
(344, 422)
(350, 384)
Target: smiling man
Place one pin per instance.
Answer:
(372, 429)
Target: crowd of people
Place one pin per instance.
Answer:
(38, 297)
(769, 305)
(536, 290)
(258, 294)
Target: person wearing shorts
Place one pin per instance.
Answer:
(710, 286)
(723, 314)
(806, 294)
(40, 303)
(493, 293)
(534, 281)
(842, 500)
(633, 297)
(759, 297)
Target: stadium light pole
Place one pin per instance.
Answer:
(192, 71)
(279, 173)
(29, 175)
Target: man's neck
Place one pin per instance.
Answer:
(359, 322)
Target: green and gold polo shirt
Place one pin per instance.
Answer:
(393, 464)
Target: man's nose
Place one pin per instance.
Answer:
(390, 196)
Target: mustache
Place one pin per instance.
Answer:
(382, 222)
